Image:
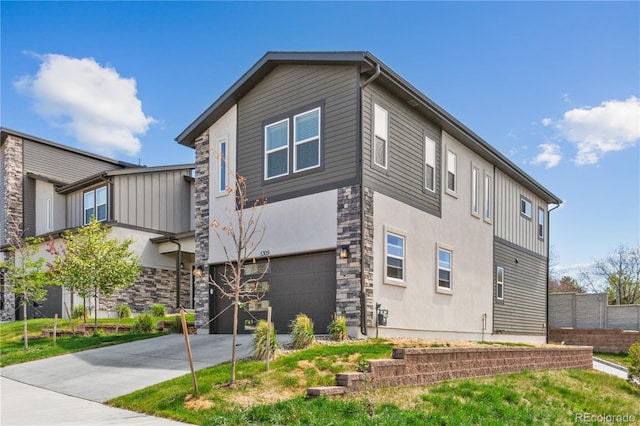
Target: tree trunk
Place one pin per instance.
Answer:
(24, 317)
(233, 344)
(84, 309)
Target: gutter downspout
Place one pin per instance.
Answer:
(363, 294)
(548, 272)
(174, 240)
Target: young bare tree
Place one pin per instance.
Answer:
(25, 271)
(618, 274)
(240, 236)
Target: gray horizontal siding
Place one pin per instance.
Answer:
(29, 206)
(289, 88)
(61, 165)
(524, 309)
(404, 178)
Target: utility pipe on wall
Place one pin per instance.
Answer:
(178, 269)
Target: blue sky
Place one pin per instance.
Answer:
(554, 86)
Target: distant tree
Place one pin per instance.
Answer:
(25, 272)
(566, 284)
(92, 264)
(239, 236)
(618, 274)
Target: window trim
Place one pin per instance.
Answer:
(499, 283)
(430, 161)
(296, 143)
(280, 148)
(523, 212)
(402, 236)
(222, 165)
(439, 288)
(384, 166)
(475, 191)
(452, 192)
(488, 198)
(541, 223)
(95, 206)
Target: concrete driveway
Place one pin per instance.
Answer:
(42, 392)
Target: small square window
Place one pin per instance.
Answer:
(525, 207)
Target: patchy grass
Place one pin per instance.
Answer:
(12, 347)
(278, 397)
(620, 358)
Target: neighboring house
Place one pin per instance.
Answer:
(46, 188)
(377, 198)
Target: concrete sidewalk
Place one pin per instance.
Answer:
(610, 368)
(56, 391)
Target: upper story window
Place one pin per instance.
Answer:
(445, 268)
(475, 191)
(395, 253)
(95, 204)
(541, 223)
(488, 187)
(222, 166)
(525, 207)
(500, 283)
(430, 164)
(303, 139)
(452, 183)
(381, 136)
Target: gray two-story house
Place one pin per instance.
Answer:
(379, 201)
(47, 188)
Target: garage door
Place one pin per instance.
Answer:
(305, 283)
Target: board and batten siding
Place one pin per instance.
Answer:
(524, 308)
(292, 88)
(404, 178)
(509, 224)
(157, 200)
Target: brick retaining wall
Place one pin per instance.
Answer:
(420, 366)
(609, 340)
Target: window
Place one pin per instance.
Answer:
(475, 191)
(95, 205)
(541, 223)
(451, 172)
(430, 164)
(488, 187)
(299, 134)
(525, 207)
(306, 131)
(445, 258)
(500, 283)
(381, 136)
(276, 149)
(395, 257)
(222, 166)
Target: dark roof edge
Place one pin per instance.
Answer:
(4, 131)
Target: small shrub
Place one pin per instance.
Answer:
(176, 325)
(302, 332)
(158, 310)
(144, 324)
(260, 341)
(338, 328)
(633, 373)
(98, 332)
(77, 312)
(123, 311)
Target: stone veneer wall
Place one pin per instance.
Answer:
(610, 340)
(201, 284)
(348, 271)
(420, 366)
(367, 258)
(13, 176)
(152, 286)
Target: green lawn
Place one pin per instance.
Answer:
(12, 347)
(278, 397)
(620, 359)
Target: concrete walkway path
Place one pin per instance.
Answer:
(609, 368)
(67, 389)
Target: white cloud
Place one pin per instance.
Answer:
(547, 122)
(612, 126)
(94, 103)
(550, 155)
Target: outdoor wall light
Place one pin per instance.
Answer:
(344, 252)
(197, 272)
